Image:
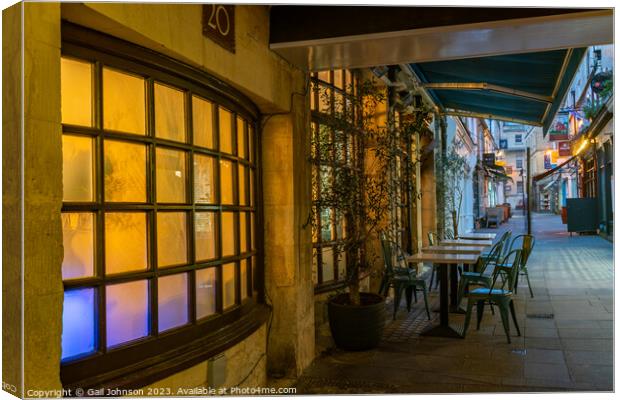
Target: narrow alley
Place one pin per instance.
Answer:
(566, 342)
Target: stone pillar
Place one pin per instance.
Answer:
(42, 190)
(11, 199)
(287, 239)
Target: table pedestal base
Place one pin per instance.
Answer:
(441, 331)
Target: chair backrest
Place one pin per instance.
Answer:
(448, 234)
(386, 250)
(507, 243)
(492, 257)
(514, 258)
(527, 245)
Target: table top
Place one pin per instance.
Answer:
(476, 236)
(465, 242)
(440, 258)
(453, 249)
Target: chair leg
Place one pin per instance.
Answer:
(527, 276)
(408, 292)
(470, 305)
(425, 293)
(503, 310)
(430, 286)
(461, 291)
(415, 294)
(514, 316)
(479, 313)
(398, 291)
(437, 281)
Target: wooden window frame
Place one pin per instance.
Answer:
(318, 119)
(145, 360)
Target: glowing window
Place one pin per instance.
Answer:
(124, 171)
(151, 232)
(169, 113)
(170, 176)
(206, 291)
(76, 91)
(77, 167)
(203, 122)
(171, 238)
(78, 323)
(228, 285)
(124, 102)
(204, 179)
(172, 301)
(127, 312)
(78, 240)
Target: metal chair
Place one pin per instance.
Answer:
(400, 277)
(502, 297)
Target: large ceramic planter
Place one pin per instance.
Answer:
(357, 327)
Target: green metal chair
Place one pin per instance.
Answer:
(400, 277)
(527, 245)
(480, 276)
(502, 297)
(432, 241)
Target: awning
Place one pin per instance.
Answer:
(551, 171)
(525, 88)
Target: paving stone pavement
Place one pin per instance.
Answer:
(566, 342)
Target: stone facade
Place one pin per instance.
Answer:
(279, 91)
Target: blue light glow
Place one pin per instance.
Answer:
(78, 323)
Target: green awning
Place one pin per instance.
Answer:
(525, 88)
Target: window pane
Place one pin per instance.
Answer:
(244, 278)
(76, 90)
(206, 289)
(204, 231)
(203, 122)
(242, 192)
(228, 285)
(252, 227)
(127, 312)
(169, 113)
(250, 143)
(77, 168)
(251, 187)
(125, 242)
(243, 242)
(342, 265)
(170, 176)
(226, 182)
(240, 137)
(78, 241)
(228, 234)
(204, 179)
(125, 171)
(328, 264)
(78, 323)
(172, 301)
(338, 76)
(226, 133)
(171, 238)
(123, 102)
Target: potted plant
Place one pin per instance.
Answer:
(352, 154)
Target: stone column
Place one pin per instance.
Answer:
(287, 239)
(42, 190)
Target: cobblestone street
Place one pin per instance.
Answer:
(566, 341)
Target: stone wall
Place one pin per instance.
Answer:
(175, 30)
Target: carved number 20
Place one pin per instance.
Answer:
(217, 22)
